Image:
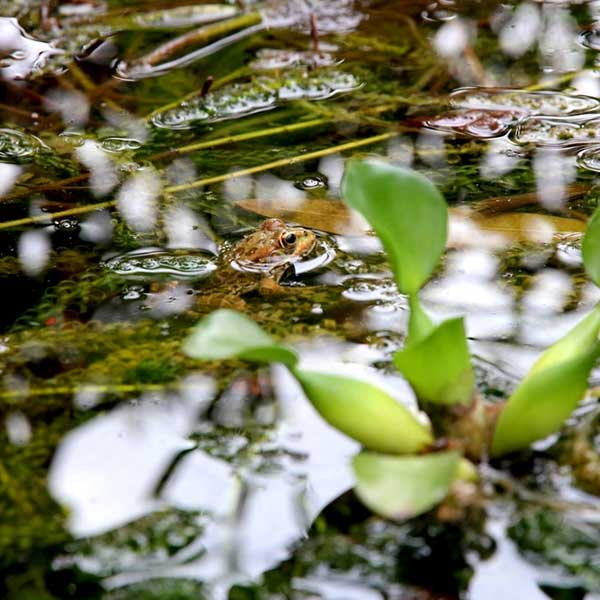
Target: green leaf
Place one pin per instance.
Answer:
(364, 412)
(401, 487)
(228, 334)
(438, 367)
(407, 212)
(590, 248)
(551, 390)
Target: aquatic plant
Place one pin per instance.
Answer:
(405, 208)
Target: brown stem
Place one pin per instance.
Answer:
(198, 36)
(314, 32)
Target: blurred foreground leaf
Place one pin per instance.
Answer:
(438, 367)
(551, 389)
(228, 334)
(590, 248)
(407, 212)
(364, 412)
(401, 487)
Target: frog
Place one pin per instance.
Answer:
(257, 263)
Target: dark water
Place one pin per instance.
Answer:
(128, 470)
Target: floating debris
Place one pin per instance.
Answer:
(547, 103)
(143, 263)
(264, 93)
(20, 54)
(17, 145)
(557, 132)
(474, 122)
(270, 59)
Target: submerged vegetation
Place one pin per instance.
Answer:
(390, 393)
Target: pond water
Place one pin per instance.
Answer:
(140, 142)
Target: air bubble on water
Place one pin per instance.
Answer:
(311, 182)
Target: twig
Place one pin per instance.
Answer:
(314, 32)
(78, 210)
(501, 204)
(242, 137)
(198, 36)
(206, 181)
(284, 162)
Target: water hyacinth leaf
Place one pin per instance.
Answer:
(438, 367)
(364, 412)
(407, 212)
(551, 390)
(226, 334)
(401, 487)
(590, 248)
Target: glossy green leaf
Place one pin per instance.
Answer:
(228, 334)
(407, 212)
(438, 367)
(364, 412)
(590, 248)
(401, 487)
(551, 390)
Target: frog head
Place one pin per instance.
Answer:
(272, 247)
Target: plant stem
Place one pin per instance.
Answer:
(202, 35)
(242, 137)
(79, 210)
(284, 162)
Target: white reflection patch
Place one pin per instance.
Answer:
(34, 251)
(103, 175)
(549, 292)
(558, 43)
(272, 190)
(521, 32)
(186, 229)
(105, 471)
(137, 200)
(97, 228)
(333, 168)
(18, 429)
(553, 172)
(452, 38)
(73, 106)
(497, 161)
(8, 176)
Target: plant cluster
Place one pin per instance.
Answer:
(409, 464)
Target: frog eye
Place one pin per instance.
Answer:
(287, 239)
